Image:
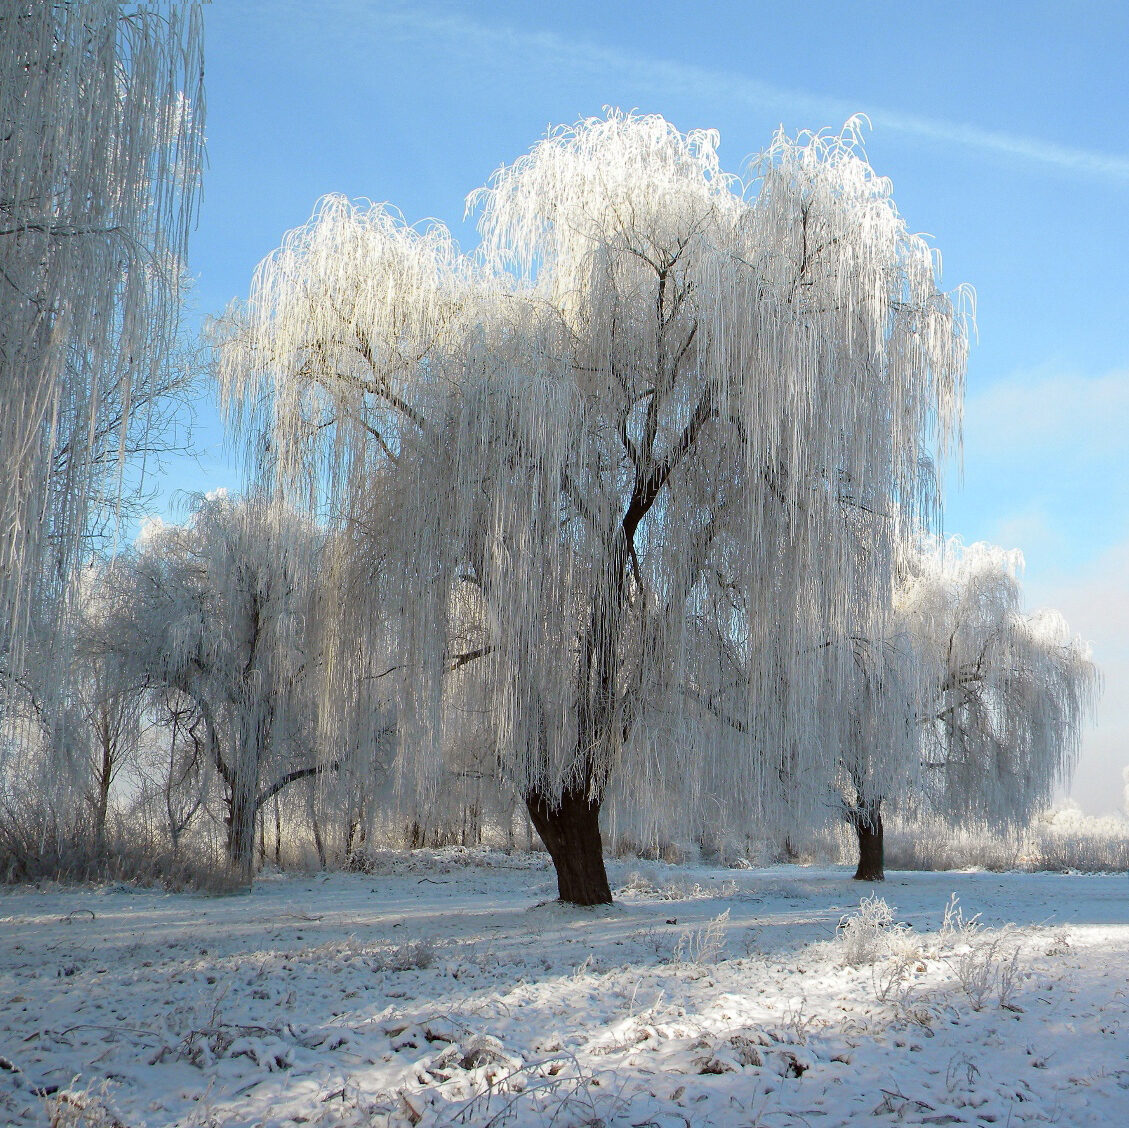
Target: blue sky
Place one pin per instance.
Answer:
(1003, 126)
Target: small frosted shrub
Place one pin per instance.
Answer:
(415, 955)
(863, 937)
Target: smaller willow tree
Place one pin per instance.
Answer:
(104, 709)
(1008, 693)
(219, 610)
(969, 708)
(874, 738)
(101, 115)
(599, 469)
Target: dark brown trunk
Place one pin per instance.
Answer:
(315, 823)
(571, 833)
(103, 779)
(241, 835)
(867, 821)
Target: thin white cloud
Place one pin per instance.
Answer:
(1046, 466)
(1086, 416)
(1095, 602)
(471, 38)
(1031, 529)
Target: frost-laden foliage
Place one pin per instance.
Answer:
(221, 610)
(863, 936)
(64, 742)
(100, 150)
(873, 691)
(1008, 692)
(102, 707)
(873, 736)
(610, 472)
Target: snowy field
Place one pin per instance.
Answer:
(447, 989)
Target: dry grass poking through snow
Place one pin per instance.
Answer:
(458, 994)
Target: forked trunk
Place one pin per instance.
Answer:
(571, 833)
(867, 821)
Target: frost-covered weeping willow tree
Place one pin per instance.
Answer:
(1007, 692)
(873, 737)
(601, 467)
(100, 150)
(222, 611)
(967, 708)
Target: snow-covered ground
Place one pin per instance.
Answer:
(447, 989)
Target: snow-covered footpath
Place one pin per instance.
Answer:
(448, 989)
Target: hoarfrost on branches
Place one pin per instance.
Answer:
(608, 472)
(100, 151)
(969, 707)
(1010, 691)
(221, 610)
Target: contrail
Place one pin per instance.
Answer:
(474, 39)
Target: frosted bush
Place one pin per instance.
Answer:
(863, 937)
(1058, 841)
(415, 955)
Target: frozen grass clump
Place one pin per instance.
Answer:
(955, 927)
(986, 963)
(648, 883)
(415, 955)
(704, 945)
(864, 936)
(990, 966)
(81, 1108)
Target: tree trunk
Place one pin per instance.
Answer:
(571, 833)
(241, 834)
(866, 818)
(103, 778)
(315, 824)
